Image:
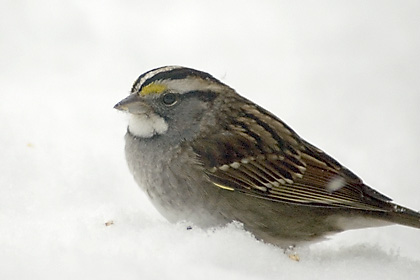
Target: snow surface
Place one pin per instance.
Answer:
(343, 74)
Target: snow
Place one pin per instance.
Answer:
(344, 75)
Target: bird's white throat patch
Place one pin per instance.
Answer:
(146, 126)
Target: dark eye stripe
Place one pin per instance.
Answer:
(202, 95)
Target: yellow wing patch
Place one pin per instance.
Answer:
(223, 187)
(153, 88)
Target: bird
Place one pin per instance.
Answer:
(205, 154)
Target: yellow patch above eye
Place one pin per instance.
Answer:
(153, 89)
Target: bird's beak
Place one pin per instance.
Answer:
(132, 104)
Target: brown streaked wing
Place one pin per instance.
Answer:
(261, 156)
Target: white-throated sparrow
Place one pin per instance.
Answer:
(207, 155)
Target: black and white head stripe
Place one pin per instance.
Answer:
(178, 78)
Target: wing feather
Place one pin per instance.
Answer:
(261, 156)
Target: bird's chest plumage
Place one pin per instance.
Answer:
(178, 195)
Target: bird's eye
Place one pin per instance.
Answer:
(169, 99)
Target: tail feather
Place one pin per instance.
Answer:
(404, 216)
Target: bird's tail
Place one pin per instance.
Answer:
(404, 216)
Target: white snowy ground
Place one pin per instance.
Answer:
(344, 74)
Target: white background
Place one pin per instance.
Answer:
(343, 74)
